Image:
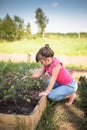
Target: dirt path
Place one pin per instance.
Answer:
(76, 60)
(66, 60)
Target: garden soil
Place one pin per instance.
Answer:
(20, 106)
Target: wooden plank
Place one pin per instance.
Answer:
(10, 121)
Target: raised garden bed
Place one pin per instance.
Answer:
(20, 105)
(22, 110)
(22, 122)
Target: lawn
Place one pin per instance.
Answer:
(63, 46)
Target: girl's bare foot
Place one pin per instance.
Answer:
(71, 97)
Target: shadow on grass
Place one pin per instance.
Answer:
(64, 118)
(75, 117)
(71, 116)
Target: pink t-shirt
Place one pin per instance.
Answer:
(64, 77)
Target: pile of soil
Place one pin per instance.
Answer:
(22, 107)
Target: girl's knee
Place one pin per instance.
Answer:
(53, 97)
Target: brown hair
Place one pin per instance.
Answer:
(44, 52)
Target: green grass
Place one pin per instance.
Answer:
(63, 46)
(76, 67)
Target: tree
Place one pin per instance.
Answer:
(19, 26)
(27, 31)
(1, 28)
(28, 28)
(41, 20)
(13, 28)
(7, 28)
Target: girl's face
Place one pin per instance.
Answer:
(46, 61)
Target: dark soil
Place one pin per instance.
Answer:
(21, 106)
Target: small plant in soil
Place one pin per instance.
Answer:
(18, 95)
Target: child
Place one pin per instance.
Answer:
(61, 85)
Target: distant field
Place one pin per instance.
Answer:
(63, 46)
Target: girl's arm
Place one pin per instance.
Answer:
(38, 74)
(53, 80)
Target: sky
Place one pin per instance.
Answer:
(64, 15)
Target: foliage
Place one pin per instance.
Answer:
(66, 35)
(13, 28)
(83, 97)
(41, 20)
(7, 28)
(27, 33)
(12, 84)
(83, 90)
(83, 35)
(76, 67)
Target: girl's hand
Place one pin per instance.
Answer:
(44, 93)
(35, 75)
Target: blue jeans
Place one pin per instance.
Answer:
(59, 92)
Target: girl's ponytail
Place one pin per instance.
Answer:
(46, 45)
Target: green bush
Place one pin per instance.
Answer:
(83, 90)
(12, 83)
